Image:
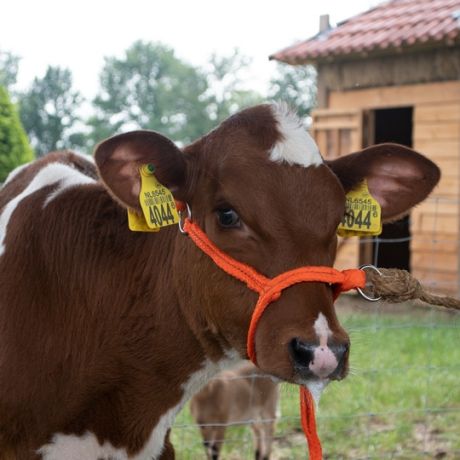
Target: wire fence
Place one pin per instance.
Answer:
(401, 399)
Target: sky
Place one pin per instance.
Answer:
(78, 35)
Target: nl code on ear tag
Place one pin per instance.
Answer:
(362, 214)
(157, 202)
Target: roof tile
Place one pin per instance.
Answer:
(393, 24)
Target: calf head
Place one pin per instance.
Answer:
(259, 188)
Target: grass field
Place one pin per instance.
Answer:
(402, 399)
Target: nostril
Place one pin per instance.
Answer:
(302, 353)
(346, 348)
(340, 350)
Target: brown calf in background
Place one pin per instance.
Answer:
(243, 395)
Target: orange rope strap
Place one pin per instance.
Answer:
(269, 290)
(307, 418)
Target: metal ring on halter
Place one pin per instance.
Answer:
(181, 218)
(370, 299)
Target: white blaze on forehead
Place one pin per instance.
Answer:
(51, 174)
(296, 146)
(322, 329)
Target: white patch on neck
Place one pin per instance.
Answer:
(322, 329)
(154, 446)
(86, 447)
(67, 177)
(297, 146)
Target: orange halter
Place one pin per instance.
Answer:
(269, 290)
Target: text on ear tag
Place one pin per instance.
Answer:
(156, 201)
(137, 223)
(362, 214)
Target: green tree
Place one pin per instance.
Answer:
(226, 77)
(149, 87)
(49, 111)
(14, 146)
(8, 69)
(295, 85)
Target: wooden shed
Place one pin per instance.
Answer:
(393, 74)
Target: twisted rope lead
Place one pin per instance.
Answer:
(395, 286)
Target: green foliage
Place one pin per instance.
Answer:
(8, 69)
(14, 146)
(226, 81)
(295, 85)
(148, 87)
(151, 88)
(48, 111)
(400, 401)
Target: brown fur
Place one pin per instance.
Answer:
(242, 395)
(101, 327)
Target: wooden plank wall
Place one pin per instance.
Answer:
(398, 96)
(435, 223)
(337, 133)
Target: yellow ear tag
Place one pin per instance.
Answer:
(362, 214)
(157, 202)
(137, 223)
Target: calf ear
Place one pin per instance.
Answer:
(397, 176)
(119, 158)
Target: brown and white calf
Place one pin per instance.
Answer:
(239, 396)
(106, 333)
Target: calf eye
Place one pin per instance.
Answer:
(228, 218)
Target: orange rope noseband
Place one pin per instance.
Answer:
(269, 290)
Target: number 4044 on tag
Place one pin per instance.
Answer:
(157, 204)
(362, 214)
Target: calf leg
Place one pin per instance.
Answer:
(257, 441)
(263, 438)
(212, 451)
(213, 438)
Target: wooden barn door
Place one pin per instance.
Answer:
(337, 133)
(392, 248)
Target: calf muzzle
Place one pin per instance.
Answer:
(318, 361)
(270, 289)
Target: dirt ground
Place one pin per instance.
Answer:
(424, 443)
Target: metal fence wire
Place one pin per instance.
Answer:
(401, 399)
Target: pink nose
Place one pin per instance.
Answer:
(324, 362)
(318, 360)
